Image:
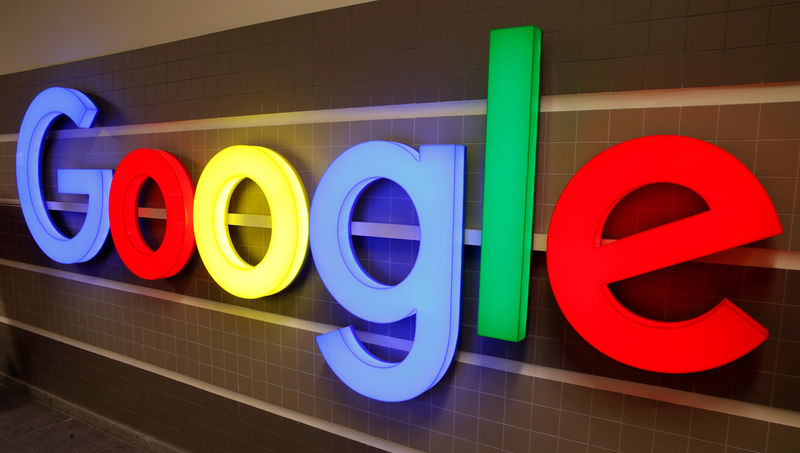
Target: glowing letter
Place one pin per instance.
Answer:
(511, 124)
(580, 268)
(434, 179)
(45, 108)
(177, 189)
(288, 208)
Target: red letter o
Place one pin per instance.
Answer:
(178, 192)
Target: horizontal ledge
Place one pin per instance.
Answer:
(673, 97)
(740, 256)
(614, 100)
(682, 397)
(646, 391)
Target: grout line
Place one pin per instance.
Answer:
(690, 399)
(324, 425)
(639, 99)
(739, 256)
(691, 423)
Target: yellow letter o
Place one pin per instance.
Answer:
(288, 207)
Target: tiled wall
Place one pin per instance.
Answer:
(400, 52)
(405, 51)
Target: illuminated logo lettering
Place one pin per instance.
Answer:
(580, 268)
(46, 107)
(288, 208)
(434, 179)
(178, 191)
(579, 265)
(509, 178)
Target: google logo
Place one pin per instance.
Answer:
(580, 266)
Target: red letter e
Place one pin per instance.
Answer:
(580, 268)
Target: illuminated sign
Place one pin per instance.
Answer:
(434, 179)
(288, 207)
(509, 173)
(176, 186)
(580, 266)
(432, 176)
(46, 107)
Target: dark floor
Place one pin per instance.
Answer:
(28, 426)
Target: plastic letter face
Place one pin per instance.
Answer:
(178, 191)
(434, 179)
(580, 269)
(288, 207)
(509, 179)
(95, 183)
